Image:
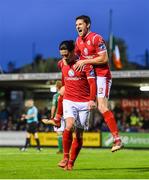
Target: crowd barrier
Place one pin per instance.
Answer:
(90, 139)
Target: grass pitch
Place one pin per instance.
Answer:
(91, 164)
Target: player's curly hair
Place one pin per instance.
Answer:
(67, 45)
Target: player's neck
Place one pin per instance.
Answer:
(65, 62)
(84, 37)
(72, 61)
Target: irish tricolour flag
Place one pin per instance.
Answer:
(115, 53)
(116, 57)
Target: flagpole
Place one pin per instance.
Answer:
(110, 39)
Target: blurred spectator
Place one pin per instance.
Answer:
(4, 118)
(118, 112)
(98, 121)
(134, 120)
(127, 121)
(145, 122)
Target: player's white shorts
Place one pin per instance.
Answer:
(77, 110)
(103, 86)
(61, 129)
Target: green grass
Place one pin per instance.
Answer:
(91, 164)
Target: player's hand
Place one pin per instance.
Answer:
(91, 105)
(79, 65)
(23, 117)
(45, 121)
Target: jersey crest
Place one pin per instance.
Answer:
(89, 42)
(71, 73)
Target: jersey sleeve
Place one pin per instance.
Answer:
(99, 43)
(89, 70)
(77, 51)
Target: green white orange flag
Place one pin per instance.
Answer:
(116, 57)
(115, 53)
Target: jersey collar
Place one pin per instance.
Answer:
(84, 38)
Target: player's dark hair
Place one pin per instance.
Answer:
(85, 18)
(67, 45)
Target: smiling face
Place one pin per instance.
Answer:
(82, 28)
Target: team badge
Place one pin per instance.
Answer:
(71, 73)
(88, 42)
(86, 51)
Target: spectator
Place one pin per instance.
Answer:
(134, 120)
(145, 122)
(4, 118)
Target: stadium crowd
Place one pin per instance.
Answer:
(127, 121)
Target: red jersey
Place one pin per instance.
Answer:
(79, 86)
(90, 47)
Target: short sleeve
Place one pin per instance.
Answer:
(89, 70)
(99, 43)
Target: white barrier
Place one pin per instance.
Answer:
(12, 138)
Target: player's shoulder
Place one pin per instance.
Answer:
(60, 64)
(34, 108)
(95, 36)
(78, 40)
(96, 39)
(92, 34)
(55, 95)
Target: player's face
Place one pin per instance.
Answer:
(29, 103)
(82, 27)
(66, 55)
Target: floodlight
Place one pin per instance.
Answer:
(144, 88)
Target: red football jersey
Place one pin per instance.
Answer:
(90, 47)
(76, 83)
